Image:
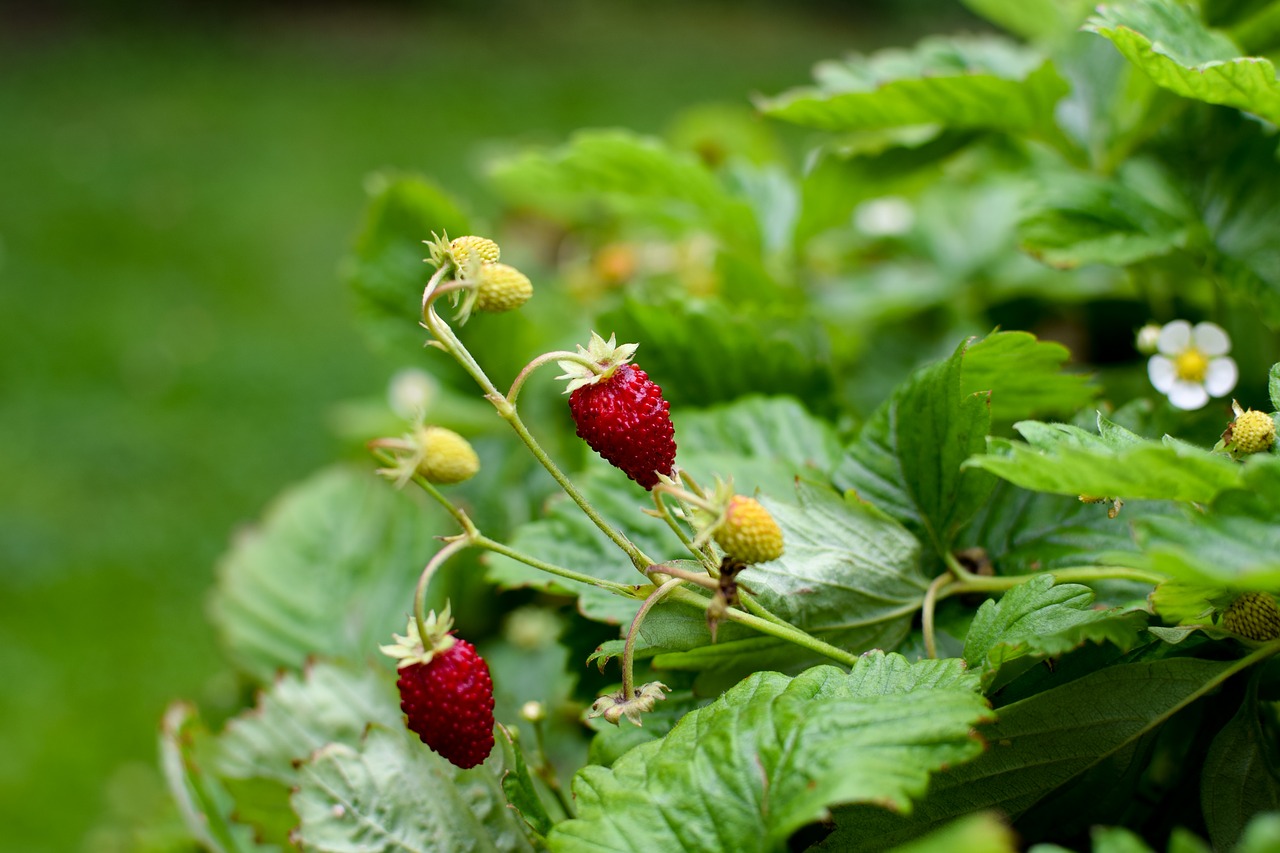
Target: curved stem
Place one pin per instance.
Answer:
(927, 608)
(420, 592)
(764, 626)
(558, 355)
(458, 515)
(685, 575)
(614, 587)
(664, 512)
(755, 608)
(957, 568)
(1075, 574)
(629, 648)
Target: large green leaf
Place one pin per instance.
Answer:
(704, 352)
(772, 755)
(391, 793)
(978, 82)
(1040, 619)
(1034, 19)
(850, 575)
(1024, 376)
(1236, 544)
(1066, 460)
(385, 267)
(1165, 39)
(1042, 743)
(627, 174)
(907, 458)
(330, 572)
(1240, 777)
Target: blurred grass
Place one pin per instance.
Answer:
(173, 330)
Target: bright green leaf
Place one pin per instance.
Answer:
(766, 758)
(974, 82)
(392, 793)
(1041, 619)
(983, 832)
(330, 571)
(1024, 376)
(1034, 19)
(1262, 835)
(1165, 39)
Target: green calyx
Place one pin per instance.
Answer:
(422, 640)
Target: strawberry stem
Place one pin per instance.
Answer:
(557, 355)
(420, 592)
(629, 647)
(622, 589)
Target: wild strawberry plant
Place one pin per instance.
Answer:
(868, 559)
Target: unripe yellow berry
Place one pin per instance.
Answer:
(748, 533)
(463, 249)
(1253, 615)
(501, 288)
(446, 457)
(1252, 432)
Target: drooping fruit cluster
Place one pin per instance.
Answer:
(1253, 615)
(487, 285)
(620, 412)
(1251, 432)
(445, 691)
(747, 532)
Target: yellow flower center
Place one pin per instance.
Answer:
(1192, 365)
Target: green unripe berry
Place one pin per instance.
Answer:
(501, 288)
(446, 457)
(1253, 615)
(464, 251)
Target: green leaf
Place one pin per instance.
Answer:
(392, 793)
(1236, 544)
(1042, 743)
(1164, 39)
(1117, 839)
(205, 804)
(1040, 619)
(983, 832)
(1239, 779)
(1273, 387)
(704, 352)
(850, 575)
(1034, 19)
(1087, 219)
(299, 714)
(1066, 460)
(1262, 834)
(627, 174)
(517, 784)
(766, 758)
(907, 458)
(1024, 376)
(976, 82)
(385, 267)
(329, 572)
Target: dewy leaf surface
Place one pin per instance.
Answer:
(326, 573)
(1040, 744)
(771, 755)
(985, 82)
(1165, 39)
(393, 794)
(907, 458)
(1041, 619)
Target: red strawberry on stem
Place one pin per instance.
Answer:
(620, 411)
(445, 691)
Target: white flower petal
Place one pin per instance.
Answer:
(1221, 376)
(1188, 395)
(1211, 339)
(1163, 373)
(1174, 337)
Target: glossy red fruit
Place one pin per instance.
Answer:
(624, 418)
(448, 703)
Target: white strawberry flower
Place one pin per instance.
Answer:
(1191, 364)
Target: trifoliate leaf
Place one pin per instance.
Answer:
(957, 82)
(1024, 375)
(1041, 619)
(769, 756)
(1239, 779)
(392, 793)
(1165, 39)
(329, 572)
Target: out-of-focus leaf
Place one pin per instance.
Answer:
(629, 174)
(983, 832)
(1273, 386)
(704, 352)
(385, 267)
(979, 82)
(1165, 39)
(766, 758)
(330, 572)
(1262, 835)
(907, 458)
(517, 784)
(1040, 744)
(1240, 777)
(1117, 839)
(1066, 460)
(1040, 619)
(1034, 19)
(392, 793)
(1024, 376)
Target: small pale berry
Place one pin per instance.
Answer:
(748, 532)
(445, 456)
(1251, 432)
(501, 288)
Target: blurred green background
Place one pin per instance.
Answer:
(179, 188)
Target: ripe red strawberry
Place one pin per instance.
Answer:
(445, 692)
(620, 411)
